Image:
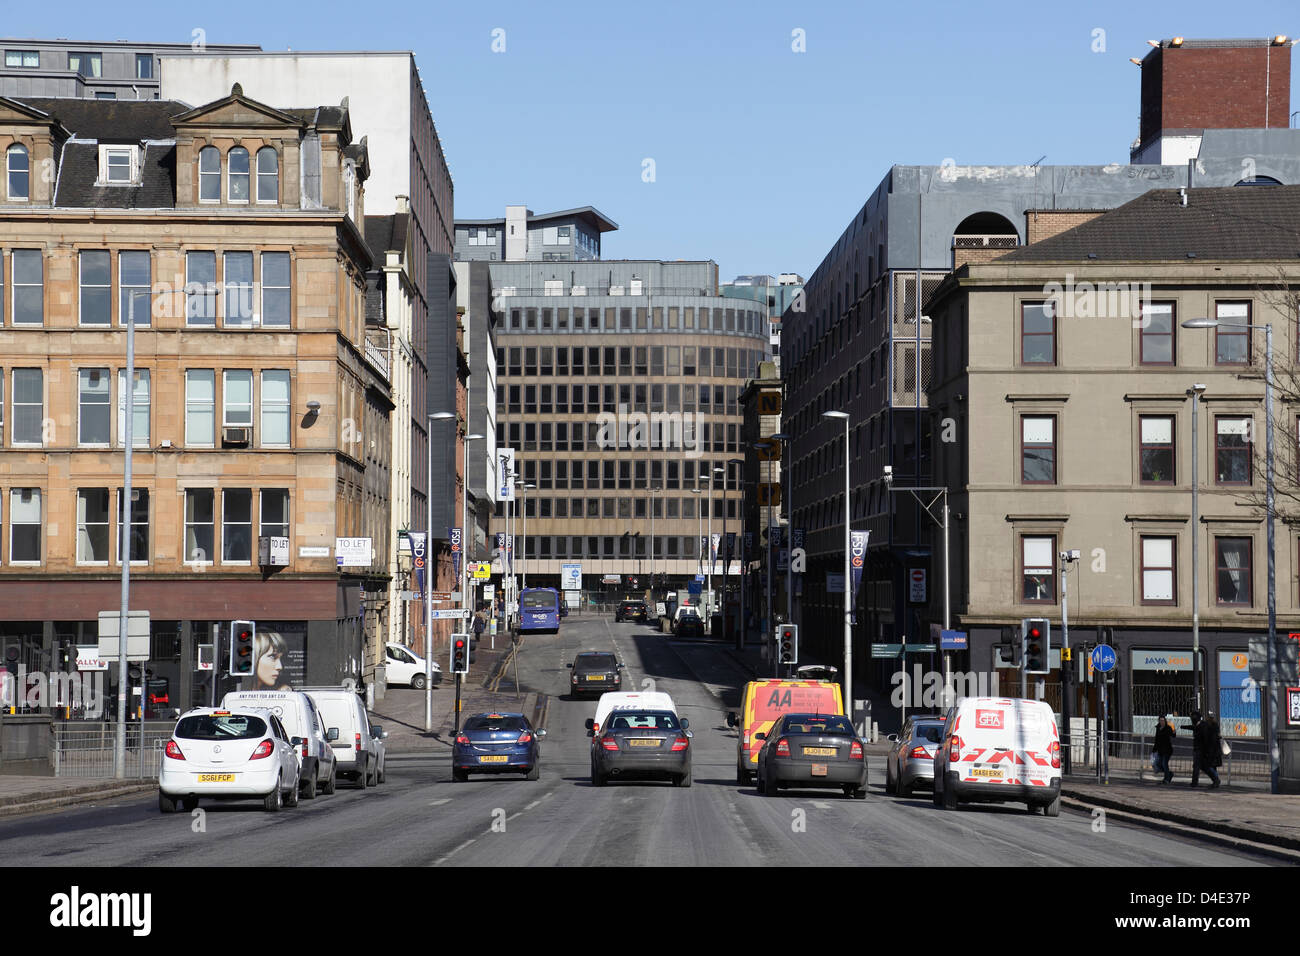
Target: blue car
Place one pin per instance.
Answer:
(497, 743)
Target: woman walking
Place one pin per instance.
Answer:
(1164, 748)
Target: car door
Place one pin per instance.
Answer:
(285, 751)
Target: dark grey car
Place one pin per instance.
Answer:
(642, 743)
(594, 673)
(812, 750)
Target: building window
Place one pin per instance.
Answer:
(275, 407)
(1156, 450)
(1232, 449)
(18, 166)
(237, 167)
(1157, 333)
(238, 272)
(1232, 571)
(25, 526)
(199, 525)
(94, 421)
(29, 287)
(23, 58)
(237, 396)
(1159, 579)
(144, 66)
(237, 525)
(201, 289)
(139, 409)
(1038, 583)
(29, 406)
(138, 533)
(96, 290)
(87, 64)
(1038, 333)
(92, 526)
(1232, 344)
(268, 175)
(133, 275)
(105, 95)
(209, 174)
(1038, 449)
(275, 512)
(117, 165)
(200, 406)
(275, 290)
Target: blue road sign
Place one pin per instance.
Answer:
(953, 640)
(1103, 657)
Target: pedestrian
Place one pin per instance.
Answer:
(1164, 748)
(1207, 751)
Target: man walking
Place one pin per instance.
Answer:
(1207, 751)
(1164, 748)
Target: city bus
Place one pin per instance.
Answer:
(540, 611)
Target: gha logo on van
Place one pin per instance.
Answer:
(988, 719)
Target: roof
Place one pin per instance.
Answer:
(111, 121)
(602, 222)
(1233, 222)
(385, 233)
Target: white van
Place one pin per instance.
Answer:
(301, 719)
(999, 750)
(349, 732)
(623, 700)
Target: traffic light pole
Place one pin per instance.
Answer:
(455, 720)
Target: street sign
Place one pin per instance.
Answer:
(1103, 658)
(769, 402)
(313, 551)
(354, 552)
(953, 640)
(88, 658)
(441, 614)
(834, 582)
(916, 585)
(768, 450)
(921, 648)
(769, 494)
(479, 571)
(886, 650)
(571, 577)
(439, 595)
(137, 635)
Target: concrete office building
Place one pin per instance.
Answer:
(778, 293)
(862, 345)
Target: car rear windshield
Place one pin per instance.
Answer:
(643, 721)
(817, 724)
(933, 733)
(221, 727)
(484, 722)
(594, 662)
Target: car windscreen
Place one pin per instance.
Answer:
(220, 727)
(930, 733)
(493, 723)
(634, 720)
(538, 600)
(817, 724)
(595, 662)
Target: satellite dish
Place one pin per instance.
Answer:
(350, 683)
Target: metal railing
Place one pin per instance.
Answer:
(85, 748)
(1129, 754)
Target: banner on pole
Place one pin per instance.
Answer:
(419, 556)
(857, 559)
(454, 536)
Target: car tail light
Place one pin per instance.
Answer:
(304, 750)
(954, 749)
(462, 739)
(783, 748)
(681, 743)
(855, 751)
(525, 738)
(264, 749)
(358, 743)
(1054, 750)
(173, 751)
(609, 743)
(919, 753)
(746, 732)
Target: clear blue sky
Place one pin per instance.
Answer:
(761, 154)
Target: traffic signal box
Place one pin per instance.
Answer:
(1036, 640)
(460, 653)
(241, 647)
(787, 639)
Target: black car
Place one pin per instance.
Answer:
(594, 673)
(812, 750)
(689, 625)
(642, 743)
(631, 611)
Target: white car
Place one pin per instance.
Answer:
(996, 750)
(403, 666)
(234, 753)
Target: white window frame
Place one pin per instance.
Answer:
(275, 173)
(142, 378)
(132, 153)
(143, 295)
(267, 287)
(124, 533)
(264, 497)
(231, 174)
(15, 285)
(186, 524)
(82, 405)
(271, 407)
(204, 151)
(1151, 568)
(83, 535)
(14, 150)
(15, 405)
(193, 406)
(212, 289)
(226, 405)
(252, 542)
(15, 495)
(106, 288)
(228, 286)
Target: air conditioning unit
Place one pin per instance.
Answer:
(272, 551)
(239, 436)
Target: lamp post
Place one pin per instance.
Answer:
(1271, 721)
(651, 491)
(523, 534)
(770, 563)
(740, 541)
(428, 576)
(464, 533)
(848, 590)
(1196, 391)
(713, 483)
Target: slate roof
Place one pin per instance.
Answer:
(384, 233)
(111, 121)
(1233, 222)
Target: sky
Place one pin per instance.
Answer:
(746, 133)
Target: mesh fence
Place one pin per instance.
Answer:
(85, 749)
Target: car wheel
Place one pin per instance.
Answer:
(742, 776)
(291, 798)
(937, 797)
(597, 778)
(683, 780)
(460, 776)
(902, 789)
(848, 789)
(534, 772)
(332, 783)
(889, 781)
(166, 804)
(1053, 809)
(771, 788)
(417, 681)
(382, 773)
(860, 794)
(274, 800)
(363, 779)
(949, 798)
(308, 788)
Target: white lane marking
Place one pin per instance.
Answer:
(821, 806)
(438, 803)
(455, 851)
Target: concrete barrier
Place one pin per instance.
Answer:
(25, 744)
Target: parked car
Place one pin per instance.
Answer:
(643, 743)
(234, 753)
(404, 666)
(348, 731)
(631, 610)
(910, 761)
(812, 750)
(594, 672)
(497, 743)
(301, 719)
(999, 749)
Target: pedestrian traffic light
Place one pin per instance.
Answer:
(787, 639)
(241, 647)
(460, 653)
(1036, 637)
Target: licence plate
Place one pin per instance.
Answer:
(500, 759)
(595, 677)
(987, 772)
(819, 770)
(216, 778)
(643, 742)
(819, 751)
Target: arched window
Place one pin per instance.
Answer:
(237, 162)
(268, 175)
(19, 172)
(209, 174)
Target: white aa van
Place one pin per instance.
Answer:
(999, 750)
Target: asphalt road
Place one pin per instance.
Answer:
(420, 818)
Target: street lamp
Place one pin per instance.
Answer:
(740, 541)
(1196, 391)
(428, 574)
(848, 595)
(713, 483)
(523, 534)
(769, 562)
(1270, 725)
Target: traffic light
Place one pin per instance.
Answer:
(460, 653)
(241, 647)
(787, 638)
(1036, 637)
